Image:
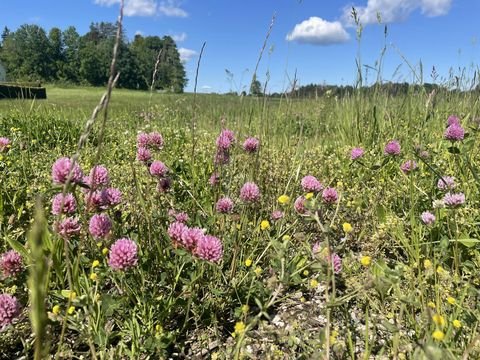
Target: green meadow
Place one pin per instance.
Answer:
(347, 268)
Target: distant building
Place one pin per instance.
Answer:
(3, 73)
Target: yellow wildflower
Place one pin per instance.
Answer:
(245, 308)
(451, 300)
(313, 283)
(105, 251)
(258, 270)
(286, 237)
(427, 264)
(347, 228)
(240, 327)
(72, 295)
(95, 263)
(333, 337)
(248, 262)
(456, 324)
(93, 276)
(264, 225)
(306, 272)
(284, 199)
(438, 319)
(56, 309)
(71, 310)
(309, 196)
(431, 304)
(440, 270)
(366, 261)
(438, 335)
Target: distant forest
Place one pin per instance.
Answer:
(30, 54)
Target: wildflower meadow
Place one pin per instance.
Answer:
(203, 226)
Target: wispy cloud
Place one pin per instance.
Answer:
(171, 8)
(179, 37)
(395, 10)
(317, 31)
(186, 54)
(148, 7)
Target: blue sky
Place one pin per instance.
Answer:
(313, 38)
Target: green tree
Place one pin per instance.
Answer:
(71, 42)
(25, 53)
(56, 54)
(255, 87)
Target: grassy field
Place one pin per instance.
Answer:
(346, 265)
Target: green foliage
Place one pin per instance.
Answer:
(30, 55)
(270, 296)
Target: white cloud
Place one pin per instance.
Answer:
(179, 37)
(171, 8)
(139, 32)
(395, 10)
(436, 7)
(186, 54)
(147, 7)
(133, 7)
(317, 31)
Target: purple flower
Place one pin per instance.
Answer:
(4, 144)
(427, 218)
(356, 153)
(251, 145)
(191, 237)
(94, 200)
(337, 263)
(224, 205)
(98, 177)
(144, 155)
(175, 231)
(123, 254)
(408, 166)
(454, 200)
(61, 169)
(155, 140)
(164, 184)
(158, 169)
(9, 309)
(249, 192)
(222, 157)
(68, 227)
(277, 215)
(453, 120)
(446, 183)
(225, 139)
(311, 184)
(299, 205)
(11, 264)
(111, 197)
(63, 204)
(317, 248)
(143, 140)
(209, 248)
(454, 133)
(392, 148)
(329, 195)
(100, 226)
(214, 179)
(182, 217)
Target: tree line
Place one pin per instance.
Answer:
(30, 54)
